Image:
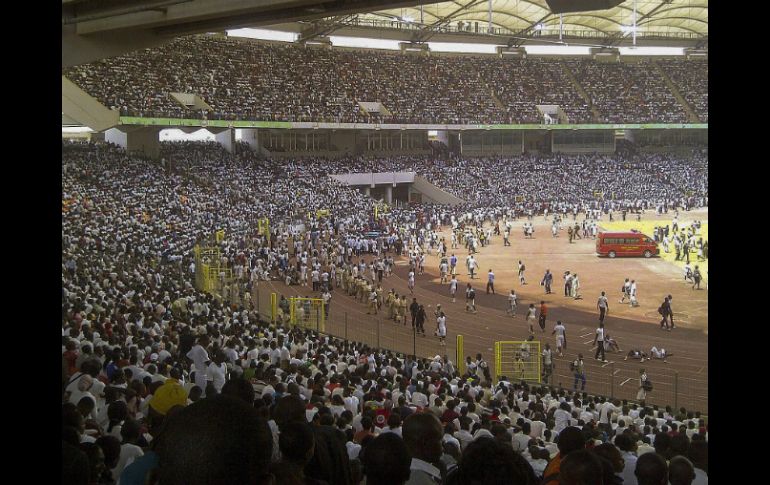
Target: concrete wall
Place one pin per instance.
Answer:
(114, 135)
(226, 138)
(372, 179)
(380, 186)
(145, 140)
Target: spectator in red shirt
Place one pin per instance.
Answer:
(450, 414)
(368, 429)
(70, 357)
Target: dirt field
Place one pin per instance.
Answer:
(683, 381)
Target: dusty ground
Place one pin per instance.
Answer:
(683, 381)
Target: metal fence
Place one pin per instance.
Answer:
(621, 380)
(373, 330)
(615, 379)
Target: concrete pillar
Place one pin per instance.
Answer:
(389, 194)
(144, 140)
(368, 191)
(114, 135)
(226, 138)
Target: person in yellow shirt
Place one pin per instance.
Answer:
(372, 303)
(389, 304)
(402, 305)
(170, 394)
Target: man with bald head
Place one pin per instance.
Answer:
(422, 434)
(569, 440)
(680, 471)
(651, 469)
(330, 459)
(581, 467)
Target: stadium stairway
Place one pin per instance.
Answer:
(692, 117)
(434, 193)
(494, 97)
(582, 92)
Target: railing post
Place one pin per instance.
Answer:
(676, 390)
(378, 332)
(612, 380)
(346, 325)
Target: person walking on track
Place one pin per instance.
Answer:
(441, 328)
(578, 368)
(667, 314)
(632, 292)
(561, 337)
(521, 273)
(512, 304)
(625, 291)
(490, 281)
(696, 278)
(420, 320)
(567, 283)
(604, 306)
(547, 280)
(453, 287)
(599, 342)
(644, 386)
(531, 318)
(470, 299)
(547, 362)
(414, 308)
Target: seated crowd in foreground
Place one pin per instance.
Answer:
(249, 399)
(241, 79)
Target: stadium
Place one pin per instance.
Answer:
(391, 242)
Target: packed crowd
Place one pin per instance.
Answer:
(559, 182)
(624, 92)
(521, 84)
(176, 399)
(247, 80)
(692, 80)
(155, 373)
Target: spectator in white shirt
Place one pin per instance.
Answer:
(562, 417)
(521, 439)
(129, 451)
(200, 358)
(627, 447)
(217, 371)
(394, 424)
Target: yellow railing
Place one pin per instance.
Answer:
(459, 355)
(518, 360)
(307, 312)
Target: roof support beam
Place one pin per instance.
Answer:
(429, 31)
(325, 27)
(516, 41)
(616, 38)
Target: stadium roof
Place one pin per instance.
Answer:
(659, 22)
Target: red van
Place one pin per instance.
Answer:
(632, 243)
